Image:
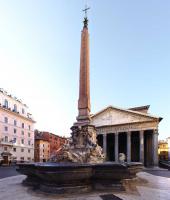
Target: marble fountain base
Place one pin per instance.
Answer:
(62, 178)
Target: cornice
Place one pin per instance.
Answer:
(17, 114)
(122, 124)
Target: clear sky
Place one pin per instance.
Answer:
(129, 55)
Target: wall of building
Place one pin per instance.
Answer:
(16, 129)
(55, 143)
(42, 151)
(163, 150)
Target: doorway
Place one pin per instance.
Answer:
(148, 157)
(5, 160)
(135, 146)
(110, 147)
(123, 143)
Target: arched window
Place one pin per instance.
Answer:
(6, 103)
(15, 108)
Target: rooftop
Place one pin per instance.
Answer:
(12, 97)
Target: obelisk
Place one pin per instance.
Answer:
(83, 147)
(84, 81)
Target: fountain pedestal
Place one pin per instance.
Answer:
(83, 147)
(60, 178)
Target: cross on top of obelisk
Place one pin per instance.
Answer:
(85, 18)
(85, 10)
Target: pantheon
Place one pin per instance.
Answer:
(132, 131)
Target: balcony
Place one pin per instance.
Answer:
(27, 116)
(7, 143)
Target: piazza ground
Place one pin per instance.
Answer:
(146, 186)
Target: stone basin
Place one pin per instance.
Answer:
(74, 177)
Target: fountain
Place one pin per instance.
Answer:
(81, 167)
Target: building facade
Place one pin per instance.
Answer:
(16, 130)
(163, 149)
(42, 148)
(133, 132)
(47, 143)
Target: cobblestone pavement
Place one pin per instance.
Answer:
(146, 187)
(163, 173)
(8, 171)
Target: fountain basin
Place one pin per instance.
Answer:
(74, 177)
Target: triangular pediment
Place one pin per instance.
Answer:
(114, 116)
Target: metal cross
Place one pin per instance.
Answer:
(85, 10)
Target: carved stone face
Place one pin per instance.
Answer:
(65, 156)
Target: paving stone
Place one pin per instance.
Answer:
(154, 188)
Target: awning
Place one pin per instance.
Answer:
(6, 154)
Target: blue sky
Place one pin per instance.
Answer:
(129, 56)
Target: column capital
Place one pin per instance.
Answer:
(155, 131)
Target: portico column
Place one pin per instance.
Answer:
(155, 147)
(142, 146)
(105, 145)
(128, 146)
(116, 146)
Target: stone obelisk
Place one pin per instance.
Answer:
(84, 82)
(83, 147)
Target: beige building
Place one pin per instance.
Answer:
(47, 145)
(16, 130)
(132, 131)
(42, 150)
(163, 149)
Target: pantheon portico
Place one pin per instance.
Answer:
(132, 131)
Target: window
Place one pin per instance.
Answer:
(6, 138)
(22, 125)
(14, 140)
(22, 132)
(22, 150)
(29, 158)
(6, 120)
(23, 111)
(6, 128)
(5, 148)
(22, 158)
(29, 151)
(15, 130)
(22, 141)
(6, 103)
(29, 143)
(15, 122)
(15, 108)
(29, 134)
(29, 127)
(14, 149)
